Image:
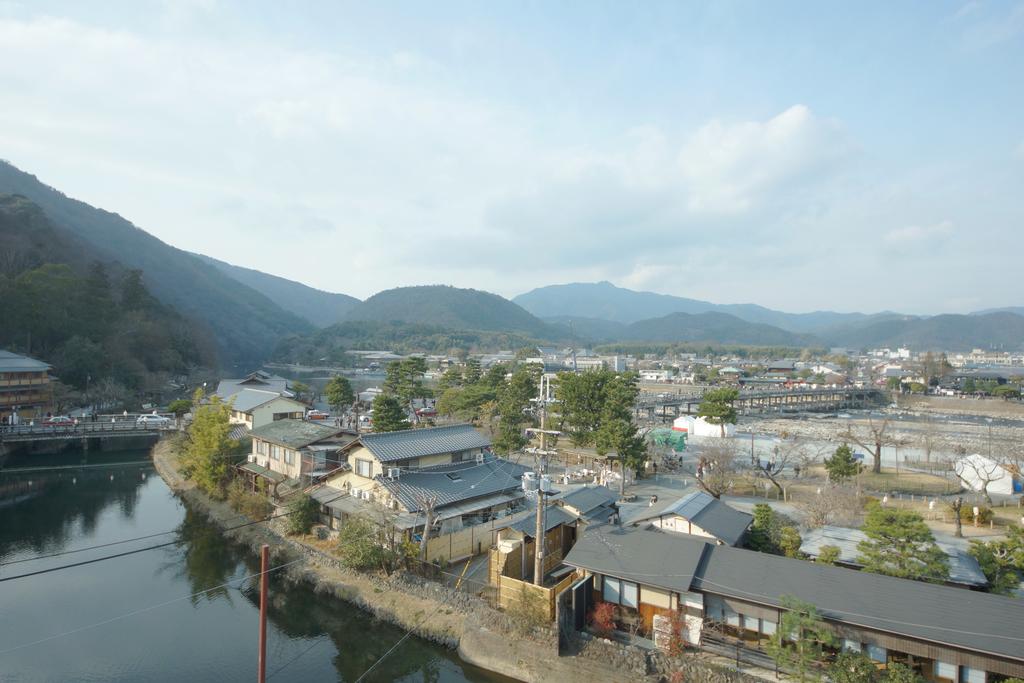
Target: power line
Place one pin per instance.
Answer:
(296, 657)
(145, 609)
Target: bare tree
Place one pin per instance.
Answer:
(772, 467)
(930, 439)
(426, 502)
(872, 440)
(832, 504)
(717, 468)
(978, 473)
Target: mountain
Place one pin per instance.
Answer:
(603, 300)
(451, 308)
(941, 332)
(720, 328)
(95, 322)
(245, 324)
(314, 305)
(1019, 310)
(588, 330)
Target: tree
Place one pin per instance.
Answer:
(1001, 560)
(852, 667)
(1006, 392)
(361, 548)
(900, 544)
(426, 502)
(790, 541)
(896, 672)
(717, 407)
(513, 401)
(179, 407)
(956, 505)
(303, 512)
(338, 391)
(616, 432)
(473, 373)
(829, 554)
(762, 529)
(301, 389)
(580, 402)
(205, 460)
(405, 380)
(842, 465)
(716, 468)
(799, 642)
(388, 415)
(872, 441)
(831, 504)
(978, 472)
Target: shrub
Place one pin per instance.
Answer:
(985, 514)
(252, 505)
(602, 619)
(361, 549)
(528, 612)
(303, 513)
(829, 554)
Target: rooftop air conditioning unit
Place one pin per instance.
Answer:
(394, 473)
(480, 458)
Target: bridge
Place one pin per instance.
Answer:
(668, 405)
(86, 430)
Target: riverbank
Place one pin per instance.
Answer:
(482, 635)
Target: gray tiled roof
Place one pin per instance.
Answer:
(588, 498)
(230, 387)
(249, 399)
(648, 556)
(454, 482)
(294, 433)
(963, 568)
(712, 515)
(417, 443)
(966, 619)
(552, 518)
(15, 362)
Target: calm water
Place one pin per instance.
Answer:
(211, 637)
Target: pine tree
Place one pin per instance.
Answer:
(800, 640)
(899, 543)
(338, 391)
(842, 465)
(388, 415)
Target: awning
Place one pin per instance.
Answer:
(261, 471)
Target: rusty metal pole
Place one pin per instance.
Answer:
(264, 566)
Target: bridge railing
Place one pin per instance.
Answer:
(85, 427)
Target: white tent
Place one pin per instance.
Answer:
(698, 426)
(976, 471)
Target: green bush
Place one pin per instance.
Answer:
(303, 513)
(252, 505)
(985, 514)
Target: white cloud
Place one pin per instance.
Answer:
(917, 234)
(729, 167)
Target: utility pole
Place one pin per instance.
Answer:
(539, 468)
(264, 566)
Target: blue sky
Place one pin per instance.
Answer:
(797, 155)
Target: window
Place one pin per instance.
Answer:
(261, 447)
(877, 653)
(945, 672)
(630, 594)
(969, 675)
(275, 452)
(289, 456)
(768, 627)
(750, 623)
(364, 468)
(611, 590)
(851, 646)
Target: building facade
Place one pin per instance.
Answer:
(25, 391)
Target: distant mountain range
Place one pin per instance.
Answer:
(253, 315)
(314, 305)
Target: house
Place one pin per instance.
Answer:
(981, 473)
(292, 451)
(255, 408)
(781, 366)
(24, 387)
(963, 568)
(733, 596)
(515, 547)
(590, 502)
(698, 514)
(255, 380)
(451, 468)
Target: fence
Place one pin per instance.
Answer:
(511, 592)
(470, 541)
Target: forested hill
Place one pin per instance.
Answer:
(712, 327)
(95, 322)
(451, 308)
(314, 305)
(245, 324)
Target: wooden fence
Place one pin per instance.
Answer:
(512, 591)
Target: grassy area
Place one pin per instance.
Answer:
(903, 481)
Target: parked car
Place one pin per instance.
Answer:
(152, 420)
(317, 415)
(59, 421)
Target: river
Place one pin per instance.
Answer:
(130, 619)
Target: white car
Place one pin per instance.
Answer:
(153, 420)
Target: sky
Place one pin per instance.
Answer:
(802, 156)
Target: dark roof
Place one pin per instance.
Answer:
(710, 514)
(416, 443)
(552, 518)
(250, 399)
(970, 620)
(294, 433)
(648, 556)
(587, 499)
(453, 483)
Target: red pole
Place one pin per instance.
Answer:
(264, 566)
